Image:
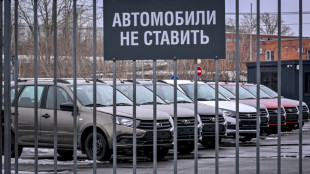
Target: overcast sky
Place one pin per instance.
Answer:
(272, 6)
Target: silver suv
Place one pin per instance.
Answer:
(124, 120)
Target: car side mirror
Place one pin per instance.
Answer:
(68, 106)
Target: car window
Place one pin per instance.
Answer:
(269, 91)
(144, 96)
(225, 92)
(62, 97)
(12, 94)
(166, 93)
(243, 93)
(205, 92)
(253, 89)
(26, 98)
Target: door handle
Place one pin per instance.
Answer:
(46, 116)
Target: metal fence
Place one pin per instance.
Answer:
(6, 111)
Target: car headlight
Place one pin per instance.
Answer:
(126, 121)
(199, 120)
(228, 114)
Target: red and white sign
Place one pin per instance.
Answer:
(199, 71)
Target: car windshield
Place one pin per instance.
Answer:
(225, 92)
(104, 96)
(243, 93)
(205, 92)
(166, 92)
(253, 89)
(144, 96)
(269, 91)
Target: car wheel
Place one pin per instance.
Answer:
(103, 152)
(209, 142)
(65, 154)
(162, 152)
(245, 138)
(20, 148)
(185, 147)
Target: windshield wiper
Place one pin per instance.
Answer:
(184, 101)
(123, 104)
(148, 103)
(202, 99)
(92, 105)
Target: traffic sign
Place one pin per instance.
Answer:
(199, 71)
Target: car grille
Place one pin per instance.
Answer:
(148, 124)
(274, 112)
(252, 115)
(210, 118)
(292, 110)
(186, 121)
(263, 112)
(304, 108)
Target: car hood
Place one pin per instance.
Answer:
(253, 104)
(127, 111)
(169, 108)
(295, 102)
(230, 105)
(268, 103)
(203, 109)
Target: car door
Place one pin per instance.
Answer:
(26, 116)
(64, 119)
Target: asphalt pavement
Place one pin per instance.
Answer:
(206, 159)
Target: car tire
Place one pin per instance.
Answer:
(103, 151)
(246, 138)
(209, 142)
(162, 152)
(20, 148)
(185, 147)
(65, 154)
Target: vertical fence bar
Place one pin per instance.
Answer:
(35, 10)
(95, 88)
(217, 140)
(114, 118)
(154, 119)
(279, 89)
(134, 92)
(237, 86)
(1, 79)
(196, 121)
(54, 14)
(300, 86)
(175, 120)
(16, 83)
(74, 89)
(7, 104)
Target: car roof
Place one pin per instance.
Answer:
(60, 81)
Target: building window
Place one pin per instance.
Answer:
(308, 54)
(307, 83)
(269, 55)
(231, 56)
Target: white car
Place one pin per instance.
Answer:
(206, 95)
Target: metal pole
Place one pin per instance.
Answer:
(175, 104)
(196, 121)
(217, 140)
(35, 9)
(301, 71)
(114, 118)
(154, 119)
(7, 103)
(16, 84)
(134, 74)
(237, 86)
(279, 89)
(55, 83)
(251, 42)
(95, 89)
(1, 79)
(74, 88)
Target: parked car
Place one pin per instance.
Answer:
(206, 112)
(272, 107)
(264, 115)
(305, 108)
(292, 112)
(124, 120)
(185, 116)
(206, 95)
